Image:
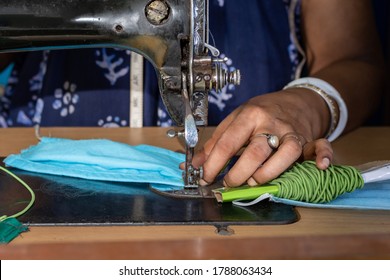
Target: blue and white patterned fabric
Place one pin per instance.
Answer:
(90, 87)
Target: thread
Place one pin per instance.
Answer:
(4, 217)
(305, 182)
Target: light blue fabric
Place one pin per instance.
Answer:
(374, 196)
(100, 159)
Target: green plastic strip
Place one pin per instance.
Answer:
(10, 228)
(244, 192)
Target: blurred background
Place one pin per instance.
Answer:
(382, 12)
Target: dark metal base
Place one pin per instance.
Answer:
(186, 193)
(71, 201)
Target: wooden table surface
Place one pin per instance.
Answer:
(319, 233)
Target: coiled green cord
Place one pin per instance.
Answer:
(4, 217)
(305, 182)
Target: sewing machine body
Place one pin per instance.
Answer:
(171, 34)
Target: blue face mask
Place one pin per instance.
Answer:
(100, 159)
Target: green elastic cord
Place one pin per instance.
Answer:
(10, 227)
(305, 182)
(4, 217)
(302, 182)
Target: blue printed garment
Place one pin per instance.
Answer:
(90, 87)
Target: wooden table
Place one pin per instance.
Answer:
(319, 233)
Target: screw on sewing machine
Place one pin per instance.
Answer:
(173, 133)
(157, 12)
(199, 77)
(118, 28)
(193, 176)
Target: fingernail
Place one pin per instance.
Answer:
(252, 182)
(326, 162)
(203, 182)
(225, 184)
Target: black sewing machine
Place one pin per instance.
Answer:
(171, 34)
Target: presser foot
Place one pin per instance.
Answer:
(188, 193)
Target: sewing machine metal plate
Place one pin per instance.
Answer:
(71, 201)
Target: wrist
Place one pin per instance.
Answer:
(311, 111)
(338, 113)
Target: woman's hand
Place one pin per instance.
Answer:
(298, 117)
(295, 116)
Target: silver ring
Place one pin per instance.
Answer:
(272, 140)
(292, 135)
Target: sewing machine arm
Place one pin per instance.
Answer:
(171, 34)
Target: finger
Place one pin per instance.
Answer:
(252, 157)
(319, 150)
(229, 142)
(288, 152)
(201, 156)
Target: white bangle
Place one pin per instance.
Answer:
(326, 90)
